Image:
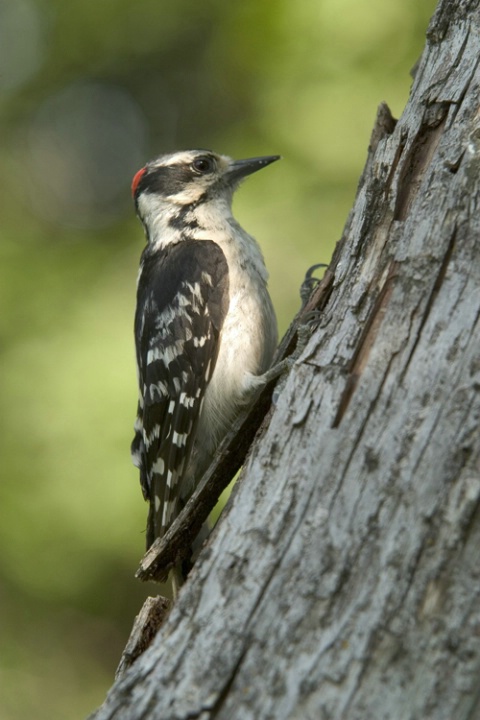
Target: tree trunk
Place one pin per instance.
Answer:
(343, 579)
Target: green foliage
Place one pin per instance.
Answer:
(301, 79)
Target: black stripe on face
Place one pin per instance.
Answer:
(165, 181)
(168, 180)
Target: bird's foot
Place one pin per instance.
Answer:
(310, 282)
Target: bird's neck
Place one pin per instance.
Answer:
(170, 224)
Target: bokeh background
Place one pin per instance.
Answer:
(89, 90)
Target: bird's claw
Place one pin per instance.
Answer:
(310, 282)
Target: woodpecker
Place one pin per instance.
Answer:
(205, 327)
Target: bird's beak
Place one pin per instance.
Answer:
(241, 168)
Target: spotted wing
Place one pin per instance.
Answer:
(182, 300)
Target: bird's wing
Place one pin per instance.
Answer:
(177, 329)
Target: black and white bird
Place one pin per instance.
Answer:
(205, 327)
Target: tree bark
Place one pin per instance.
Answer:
(343, 579)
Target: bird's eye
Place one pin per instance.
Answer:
(203, 165)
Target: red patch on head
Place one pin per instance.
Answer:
(136, 179)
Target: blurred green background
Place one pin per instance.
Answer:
(89, 91)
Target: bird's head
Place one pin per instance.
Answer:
(184, 180)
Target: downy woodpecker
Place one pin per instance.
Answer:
(205, 328)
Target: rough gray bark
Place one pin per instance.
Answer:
(343, 581)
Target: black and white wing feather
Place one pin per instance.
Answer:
(182, 300)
